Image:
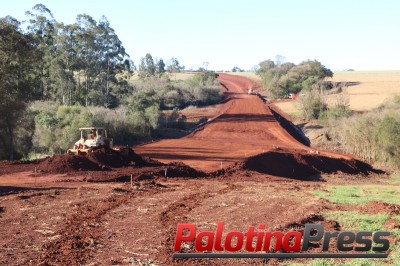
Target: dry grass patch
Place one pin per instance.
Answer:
(250, 75)
(374, 87)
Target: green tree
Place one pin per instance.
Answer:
(173, 65)
(111, 60)
(17, 56)
(312, 104)
(160, 67)
(147, 67)
(388, 138)
(63, 64)
(283, 78)
(87, 54)
(237, 69)
(41, 27)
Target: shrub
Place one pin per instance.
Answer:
(312, 104)
(374, 135)
(335, 112)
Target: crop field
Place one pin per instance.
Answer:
(250, 75)
(373, 89)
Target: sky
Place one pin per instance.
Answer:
(341, 34)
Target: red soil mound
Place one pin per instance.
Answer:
(115, 159)
(300, 165)
(101, 159)
(178, 169)
(67, 163)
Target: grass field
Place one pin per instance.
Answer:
(250, 75)
(374, 88)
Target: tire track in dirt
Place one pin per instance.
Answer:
(177, 212)
(77, 240)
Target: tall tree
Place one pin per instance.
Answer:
(160, 67)
(111, 58)
(147, 67)
(41, 27)
(87, 53)
(64, 63)
(173, 65)
(17, 58)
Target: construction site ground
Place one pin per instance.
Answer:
(244, 167)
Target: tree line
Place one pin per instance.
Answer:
(74, 69)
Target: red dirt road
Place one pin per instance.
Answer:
(67, 214)
(246, 127)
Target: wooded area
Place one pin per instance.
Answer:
(56, 77)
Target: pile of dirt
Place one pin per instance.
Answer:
(101, 159)
(300, 165)
(178, 169)
(115, 159)
(67, 163)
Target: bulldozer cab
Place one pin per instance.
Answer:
(93, 133)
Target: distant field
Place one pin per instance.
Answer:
(250, 75)
(180, 76)
(374, 88)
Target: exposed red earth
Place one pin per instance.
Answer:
(246, 127)
(122, 208)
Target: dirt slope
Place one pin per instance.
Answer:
(245, 128)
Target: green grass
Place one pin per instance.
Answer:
(360, 194)
(388, 191)
(355, 221)
(352, 220)
(317, 262)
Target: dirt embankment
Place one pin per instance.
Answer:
(301, 165)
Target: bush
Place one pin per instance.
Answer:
(374, 135)
(312, 104)
(388, 139)
(333, 113)
(58, 129)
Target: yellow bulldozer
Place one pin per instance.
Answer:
(92, 138)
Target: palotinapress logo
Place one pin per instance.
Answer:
(258, 243)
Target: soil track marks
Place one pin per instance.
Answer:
(77, 241)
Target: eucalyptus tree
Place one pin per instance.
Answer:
(112, 59)
(17, 60)
(64, 63)
(42, 28)
(87, 54)
(147, 67)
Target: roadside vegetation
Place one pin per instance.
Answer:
(372, 135)
(60, 77)
(281, 78)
